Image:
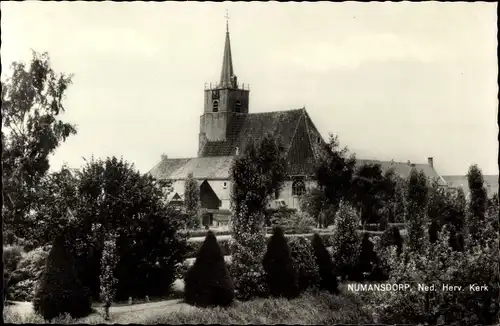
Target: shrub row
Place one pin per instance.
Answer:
(291, 266)
(224, 243)
(194, 246)
(203, 233)
(376, 226)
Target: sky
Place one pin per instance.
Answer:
(403, 81)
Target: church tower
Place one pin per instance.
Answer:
(225, 103)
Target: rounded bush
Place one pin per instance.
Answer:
(60, 290)
(207, 282)
(328, 280)
(25, 277)
(281, 276)
(304, 263)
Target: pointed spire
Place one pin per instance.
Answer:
(226, 76)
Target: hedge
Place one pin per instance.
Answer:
(224, 243)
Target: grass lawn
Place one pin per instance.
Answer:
(307, 309)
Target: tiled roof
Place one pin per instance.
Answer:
(201, 167)
(491, 183)
(292, 127)
(403, 169)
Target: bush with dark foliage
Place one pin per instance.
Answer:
(367, 259)
(304, 263)
(392, 237)
(60, 291)
(281, 277)
(328, 280)
(433, 231)
(208, 282)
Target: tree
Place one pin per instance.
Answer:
(477, 203)
(60, 291)
(367, 258)
(346, 241)
(109, 259)
(334, 173)
(368, 192)
(282, 278)
(57, 206)
(113, 196)
(392, 237)
(416, 207)
(328, 280)
(256, 174)
(312, 203)
(32, 100)
(192, 202)
(438, 264)
(207, 282)
(304, 263)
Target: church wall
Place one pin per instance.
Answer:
(290, 200)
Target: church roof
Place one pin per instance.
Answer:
(293, 128)
(201, 167)
(227, 64)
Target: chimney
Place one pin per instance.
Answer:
(430, 160)
(164, 156)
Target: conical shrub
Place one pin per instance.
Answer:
(60, 291)
(207, 282)
(328, 280)
(281, 277)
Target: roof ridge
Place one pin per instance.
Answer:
(277, 111)
(390, 161)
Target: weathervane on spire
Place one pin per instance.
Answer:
(227, 21)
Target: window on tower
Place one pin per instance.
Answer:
(238, 107)
(215, 106)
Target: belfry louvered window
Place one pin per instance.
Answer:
(215, 106)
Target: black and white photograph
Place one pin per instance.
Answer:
(300, 163)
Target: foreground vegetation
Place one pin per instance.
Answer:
(309, 308)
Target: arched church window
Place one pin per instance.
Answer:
(238, 107)
(215, 106)
(298, 187)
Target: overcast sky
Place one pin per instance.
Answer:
(400, 81)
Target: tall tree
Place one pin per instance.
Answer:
(192, 202)
(368, 188)
(346, 241)
(256, 174)
(32, 101)
(113, 196)
(477, 202)
(416, 209)
(334, 173)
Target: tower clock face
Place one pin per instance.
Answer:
(215, 94)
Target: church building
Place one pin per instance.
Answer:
(227, 125)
